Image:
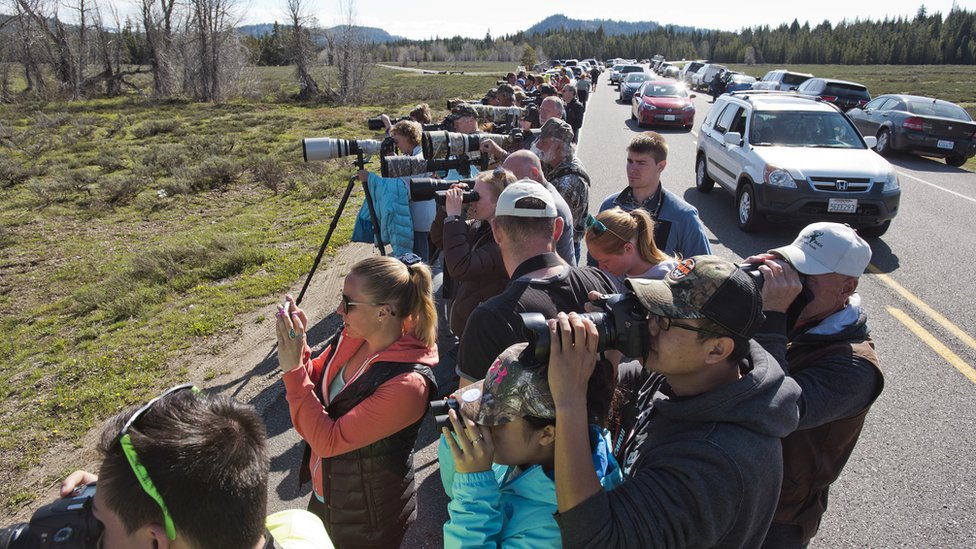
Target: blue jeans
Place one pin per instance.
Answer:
(421, 246)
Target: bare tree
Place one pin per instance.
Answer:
(60, 47)
(302, 49)
(348, 53)
(159, 21)
(216, 62)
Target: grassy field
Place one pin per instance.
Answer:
(131, 231)
(499, 67)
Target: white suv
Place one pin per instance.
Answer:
(790, 157)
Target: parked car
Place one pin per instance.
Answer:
(701, 79)
(918, 125)
(663, 102)
(844, 94)
(782, 80)
(689, 69)
(739, 82)
(619, 71)
(630, 84)
(790, 157)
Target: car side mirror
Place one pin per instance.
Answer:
(733, 138)
(871, 141)
(692, 96)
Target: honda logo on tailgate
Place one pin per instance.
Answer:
(841, 185)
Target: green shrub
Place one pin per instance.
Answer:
(12, 171)
(267, 172)
(119, 190)
(111, 160)
(216, 173)
(155, 127)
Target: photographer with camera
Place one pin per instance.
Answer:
(420, 114)
(505, 95)
(360, 403)
(566, 172)
(526, 226)
(186, 470)
(816, 328)
(471, 255)
(701, 461)
(404, 223)
(497, 464)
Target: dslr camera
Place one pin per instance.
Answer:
(67, 523)
(425, 188)
(622, 325)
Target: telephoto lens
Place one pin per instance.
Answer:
(319, 149)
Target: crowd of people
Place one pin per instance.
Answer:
(726, 430)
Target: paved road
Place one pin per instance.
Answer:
(910, 482)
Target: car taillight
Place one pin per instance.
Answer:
(912, 123)
(828, 98)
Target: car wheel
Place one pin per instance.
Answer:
(884, 142)
(956, 161)
(703, 182)
(874, 231)
(749, 219)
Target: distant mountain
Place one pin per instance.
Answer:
(610, 27)
(372, 34)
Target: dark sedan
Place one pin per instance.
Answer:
(631, 83)
(663, 102)
(919, 125)
(846, 95)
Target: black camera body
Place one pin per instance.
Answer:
(66, 523)
(622, 325)
(425, 188)
(795, 308)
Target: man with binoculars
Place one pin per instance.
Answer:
(816, 328)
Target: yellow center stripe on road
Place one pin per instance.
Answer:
(934, 343)
(922, 306)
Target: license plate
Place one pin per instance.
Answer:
(842, 205)
(669, 117)
(943, 144)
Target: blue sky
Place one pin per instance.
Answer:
(431, 18)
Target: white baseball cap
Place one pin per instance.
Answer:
(827, 247)
(508, 200)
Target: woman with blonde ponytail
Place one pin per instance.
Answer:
(360, 403)
(622, 243)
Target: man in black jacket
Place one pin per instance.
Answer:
(574, 110)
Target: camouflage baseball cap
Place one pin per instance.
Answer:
(464, 110)
(510, 390)
(704, 286)
(557, 129)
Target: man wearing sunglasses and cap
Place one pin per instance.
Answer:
(702, 461)
(816, 328)
(190, 470)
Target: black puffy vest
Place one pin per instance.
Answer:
(370, 495)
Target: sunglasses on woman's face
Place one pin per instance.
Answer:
(348, 303)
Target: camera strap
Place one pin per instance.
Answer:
(539, 262)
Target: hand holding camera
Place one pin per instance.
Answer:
(573, 346)
(781, 282)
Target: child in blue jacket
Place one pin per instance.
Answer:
(498, 467)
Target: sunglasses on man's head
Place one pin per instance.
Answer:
(140, 471)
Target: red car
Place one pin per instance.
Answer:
(663, 102)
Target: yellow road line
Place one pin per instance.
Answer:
(934, 343)
(922, 306)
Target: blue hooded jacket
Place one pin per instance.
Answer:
(496, 508)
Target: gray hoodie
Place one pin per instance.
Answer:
(702, 471)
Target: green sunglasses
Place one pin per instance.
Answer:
(138, 468)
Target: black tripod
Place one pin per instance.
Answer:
(361, 163)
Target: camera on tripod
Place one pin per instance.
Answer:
(622, 325)
(375, 124)
(425, 188)
(67, 523)
(320, 149)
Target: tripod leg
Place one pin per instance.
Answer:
(376, 221)
(328, 237)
